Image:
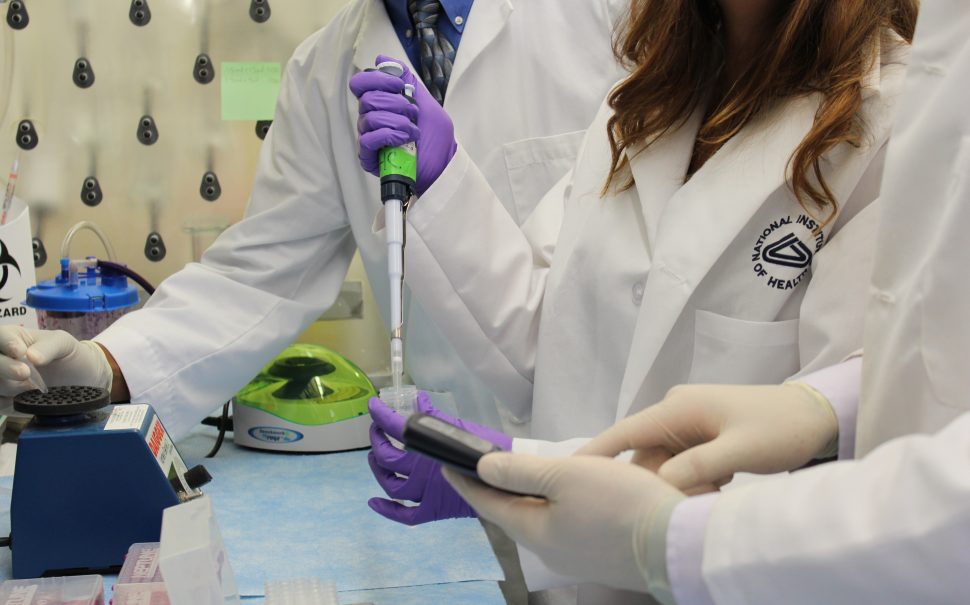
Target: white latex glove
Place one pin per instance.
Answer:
(700, 435)
(60, 358)
(602, 520)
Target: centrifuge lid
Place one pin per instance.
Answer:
(309, 385)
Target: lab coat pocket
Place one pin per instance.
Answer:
(737, 351)
(535, 165)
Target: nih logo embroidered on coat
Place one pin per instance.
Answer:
(783, 254)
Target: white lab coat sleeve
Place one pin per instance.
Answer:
(481, 276)
(892, 527)
(832, 313)
(210, 327)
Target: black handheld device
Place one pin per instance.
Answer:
(454, 447)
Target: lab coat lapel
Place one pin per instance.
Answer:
(658, 172)
(376, 37)
(702, 218)
(485, 21)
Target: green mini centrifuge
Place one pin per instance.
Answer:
(308, 399)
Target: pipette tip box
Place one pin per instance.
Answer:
(140, 594)
(301, 591)
(75, 590)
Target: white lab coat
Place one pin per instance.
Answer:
(893, 527)
(600, 305)
(527, 80)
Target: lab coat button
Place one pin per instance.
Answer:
(638, 293)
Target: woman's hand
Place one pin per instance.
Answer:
(593, 518)
(700, 435)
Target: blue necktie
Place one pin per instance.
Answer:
(437, 53)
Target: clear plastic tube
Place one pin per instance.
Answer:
(66, 245)
(402, 399)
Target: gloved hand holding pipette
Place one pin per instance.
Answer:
(388, 119)
(412, 476)
(393, 108)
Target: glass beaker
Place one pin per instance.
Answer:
(203, 231)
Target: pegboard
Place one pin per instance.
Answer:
(86, 72)
(121, 99)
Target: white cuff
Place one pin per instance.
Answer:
(685, 550)
(840, 384)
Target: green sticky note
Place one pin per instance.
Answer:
(249, 90)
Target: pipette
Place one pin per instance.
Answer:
(398, 170)
(11, 185)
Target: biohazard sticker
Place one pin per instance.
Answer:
(16, 267)
(783, 254)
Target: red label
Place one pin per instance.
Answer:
(155, 439)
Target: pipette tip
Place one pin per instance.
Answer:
(35, 377)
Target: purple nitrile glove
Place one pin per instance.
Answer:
(387, 119)
(411, 476)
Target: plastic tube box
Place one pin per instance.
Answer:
(76, 590)
(141, 565)
(140, 579)
(140, 594)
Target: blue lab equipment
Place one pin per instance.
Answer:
(90, 480)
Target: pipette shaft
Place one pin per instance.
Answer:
(394, 220)
(11, 186)
(398, 169)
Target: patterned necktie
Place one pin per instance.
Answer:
(437, 53)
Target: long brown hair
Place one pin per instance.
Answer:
(674, 51)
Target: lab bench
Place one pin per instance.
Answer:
(290, 516)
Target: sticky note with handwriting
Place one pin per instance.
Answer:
(249, 90)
